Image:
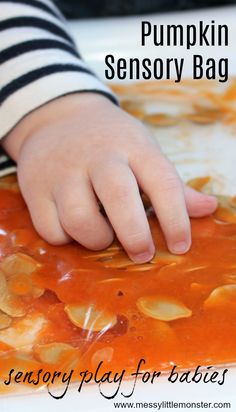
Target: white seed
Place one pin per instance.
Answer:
(104, 354)
(5, 320)
(195, 268)
(18, 264)
(3, 286)
(90, 318)
(21, 264)
(165, 258)
(165, 309)
(112, 280)
(221, 295)
(52, 352)
(23, 334)
(9, 304)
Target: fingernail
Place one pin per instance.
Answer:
(143, 257)
(180, 247)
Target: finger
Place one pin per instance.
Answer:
(80, 216)
(46, 222)
(199, 204)
(160, 182)
(116, 187)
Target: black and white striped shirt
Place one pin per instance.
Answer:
(38, 63)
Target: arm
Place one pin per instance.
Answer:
(39, 62)
(74, 148)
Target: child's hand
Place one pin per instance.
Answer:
(81, 149)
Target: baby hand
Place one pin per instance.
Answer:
(81, 149)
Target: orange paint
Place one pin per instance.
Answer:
(110, 282)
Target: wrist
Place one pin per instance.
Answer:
(52, 112)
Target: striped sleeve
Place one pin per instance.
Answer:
(38, 63)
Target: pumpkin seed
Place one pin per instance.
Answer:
(90, 318)
(18, 264)
(51, 352)
(165, 309)
(5, 320)
(198, 183)
(104, 354)
(226, 211)
(221, 295)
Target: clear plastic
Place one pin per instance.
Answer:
(67, 310)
